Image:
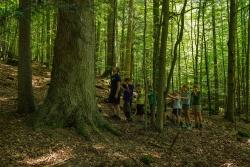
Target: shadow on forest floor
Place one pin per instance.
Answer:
(216, 145)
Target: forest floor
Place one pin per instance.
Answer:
(217, 144)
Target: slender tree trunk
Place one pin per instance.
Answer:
(197, 45)
(156, 37)
(162, 66)
(229, 115)
(247, 67)
(128, 58)
(25, 93)
(179, 39)
(71, 98)
(123, 44)
(216, 77)
(223, 59)
(144, 65)
(111, 58)
(206, 60)
(48, 39)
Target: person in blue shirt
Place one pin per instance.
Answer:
(114, 96)
(185, 95)
(127, 97)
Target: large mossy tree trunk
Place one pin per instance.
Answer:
(25, 93)
(229, 115)
(71, 98)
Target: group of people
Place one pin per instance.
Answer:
(129, 92)
(181, 101)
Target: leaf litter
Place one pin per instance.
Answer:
(216, 145)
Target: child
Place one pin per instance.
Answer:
(140, 101)
(127, 96)
(152, 102)
(185, 95)
(176, 107)
(196, 106)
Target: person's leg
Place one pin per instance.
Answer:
(200, 117)
(196, 116)
(125, 109)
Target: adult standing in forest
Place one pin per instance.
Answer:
(196, 106)
(114, 96)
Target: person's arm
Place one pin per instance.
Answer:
(172, 97)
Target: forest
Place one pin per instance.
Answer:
(125, 83)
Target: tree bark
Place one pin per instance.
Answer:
(128, 58)
(162, 66)
(216, 77)
(177, 43)
(25, 92)
(71, 98)
(229, 115)
(156, 37)
(247, 67)
(111, 58)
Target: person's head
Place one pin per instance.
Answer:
(138, 86)
(127, 80)
(196, 87)
(115, 70)
(184, 87)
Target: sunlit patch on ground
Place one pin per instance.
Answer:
(228, 164)
(52, 158)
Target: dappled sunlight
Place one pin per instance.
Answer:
(228, 164)
(52, 158)
(5, 99)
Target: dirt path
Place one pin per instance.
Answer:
(215, 145)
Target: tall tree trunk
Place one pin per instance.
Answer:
(177, 43)
(216, 78)
(162, 66)
(111, 58)
(128, 57)
(25, 93)
(71, 98)
(223, 60)
(144, 68)
(197, 45)
(156, 38)
(206, 60)
(123, 44)
(229, 115)
(48, 39)
(247, 66)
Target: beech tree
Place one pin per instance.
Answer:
(229, 115)
(25, 93)
(71, 98)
